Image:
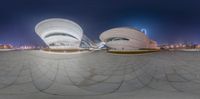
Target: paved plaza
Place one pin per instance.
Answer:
(99, 75)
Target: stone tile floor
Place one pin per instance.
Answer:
(99, 75)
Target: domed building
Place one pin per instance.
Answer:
(60, 33)
(126, 39)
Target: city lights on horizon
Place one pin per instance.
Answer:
(21, 47)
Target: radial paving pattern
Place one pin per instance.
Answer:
(98, 73)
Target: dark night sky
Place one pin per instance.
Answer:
(166, 21)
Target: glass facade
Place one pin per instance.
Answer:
(60, 34)
(117, 39)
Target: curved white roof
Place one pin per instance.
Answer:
(60, 33)
(124, 38)
(58, 25)
(122, 32)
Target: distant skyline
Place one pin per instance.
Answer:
(168, 21)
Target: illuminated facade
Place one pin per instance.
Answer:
(126, 39)
(60, 33)
(6, 46)
(153, 44)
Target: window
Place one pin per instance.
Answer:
(60, 34)
(117, 39)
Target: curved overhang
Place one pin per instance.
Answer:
(57, 30)
(125, 38)
(58, 25)
(121, 32)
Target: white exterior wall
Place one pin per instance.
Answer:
(136, 38)
(63, 26)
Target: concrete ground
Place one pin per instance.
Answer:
(99, 75)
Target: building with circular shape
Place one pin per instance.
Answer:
(60, 33)
(125, 39)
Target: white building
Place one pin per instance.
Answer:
(126, 39)
(60, 33)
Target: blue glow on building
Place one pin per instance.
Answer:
(144, 31)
